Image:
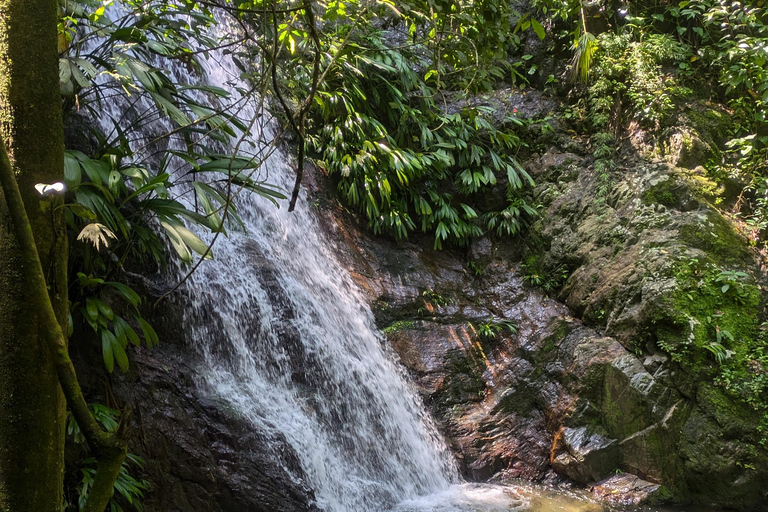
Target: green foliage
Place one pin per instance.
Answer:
(714, 318)
(113, 330)
(380, 122)
(661, 53)
(652, 58)
(398, 326)
(758, 219)
(433, 300)
(419, 167)
(585, 48)
(546, 279)
(121, 195)
(736, 282)
(476, 268)
(467, 43)
(628, 75)
(489, 331)
(106, 416)
(128, 489)
(603, 145)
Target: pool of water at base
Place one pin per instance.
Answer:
(521, 498)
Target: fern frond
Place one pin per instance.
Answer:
(584, 51)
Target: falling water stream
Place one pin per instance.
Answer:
(290, 341)
(291, 344)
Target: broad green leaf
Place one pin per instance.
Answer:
(91, 308)
(120, 356)
(108, 343)
(126, 292)
(150, 336)
(104, 309)
(72, 170)
(125, 327)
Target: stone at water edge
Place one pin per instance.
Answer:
(563, 504)
(625, 489)
(582, 456)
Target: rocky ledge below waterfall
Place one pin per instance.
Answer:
(200, 453)
(579, 389)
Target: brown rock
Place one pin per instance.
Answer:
(625, 489)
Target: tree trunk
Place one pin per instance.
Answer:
(32, 407)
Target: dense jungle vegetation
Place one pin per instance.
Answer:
(379, 95)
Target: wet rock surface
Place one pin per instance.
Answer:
(583, 456)
(626, 489)
(501, 397)
(200, 454)
(499, 400)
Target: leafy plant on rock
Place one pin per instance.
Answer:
(379, 115)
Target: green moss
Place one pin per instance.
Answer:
(546, 278)
(520, 400)
(718, 238)
(623, 412)
(547, 350)
(713, 126)
(593, 383)
(398, 326)
(463, 382)
(713, 332)
(661, 497)
(666, 193)
(729, 414)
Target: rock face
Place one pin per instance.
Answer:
(199, 453)
(593, 382)
(648, 255)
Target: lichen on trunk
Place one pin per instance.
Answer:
(31, 403)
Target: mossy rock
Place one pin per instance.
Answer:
(649, 267)
(717, 237)
(520, 400)
(464, 381)
(712, 123)
(728, 471)
(735, 420)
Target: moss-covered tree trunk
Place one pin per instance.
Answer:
(31, 403)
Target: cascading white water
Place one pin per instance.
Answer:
(289, 341)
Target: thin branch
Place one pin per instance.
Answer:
(310, 14)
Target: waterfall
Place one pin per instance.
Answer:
(290, 341)
(290, 344)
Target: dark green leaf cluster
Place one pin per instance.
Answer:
(378, 96)
(127, 488)
(405, 161)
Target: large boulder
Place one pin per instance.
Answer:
(652, 262)
(583, 456)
